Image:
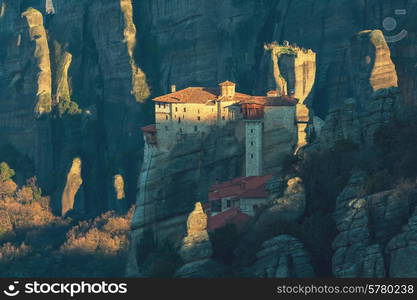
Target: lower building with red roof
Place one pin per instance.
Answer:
(236, 201)
(231, 216)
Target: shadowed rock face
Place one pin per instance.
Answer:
(370, 242)
(282, 257)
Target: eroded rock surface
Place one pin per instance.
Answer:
(282, 257)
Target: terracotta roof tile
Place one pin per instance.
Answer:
(242, 187)
(149, 128)
(230, 216)
(196, 95)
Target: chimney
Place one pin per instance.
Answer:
(173, 88)
(272, 94)
(227, 89)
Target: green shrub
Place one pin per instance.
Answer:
(6, 172)
(68, 106)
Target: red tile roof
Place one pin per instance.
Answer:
(196, 95)
(243, 187)
(230, 216)
(149, 128)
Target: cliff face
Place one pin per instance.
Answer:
(224, 40)
(179, 42)
(71, 87)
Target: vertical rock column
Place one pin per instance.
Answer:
(38, 34)
(294, 72)
(72, 186)
(196, 248)
(140, 89)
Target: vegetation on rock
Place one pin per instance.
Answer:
(35, 243)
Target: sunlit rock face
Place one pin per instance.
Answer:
(372, 67)
(72, 186)
(38, 35)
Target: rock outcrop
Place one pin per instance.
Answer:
(289, 207)
(402, 251)
(365, 227)
(196, 249)
(38, 35)
(282, 257)
(72, 186)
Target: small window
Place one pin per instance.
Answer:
(185, 109)
(251, 156)
(164, 105)
(159, 105)
(198, 111)
(216, 206)
(229, 203)
(179, 120)
(166, 117)
(251, 143)
(195, 128)
(223, 118)
(198, 118)
(176, 108)
(251, 131)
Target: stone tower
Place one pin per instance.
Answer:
(253, 147)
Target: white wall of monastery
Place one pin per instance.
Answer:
(174, 121)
